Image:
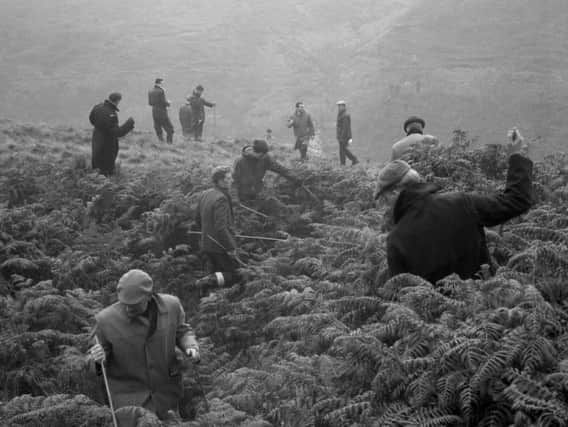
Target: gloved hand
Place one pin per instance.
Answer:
(130, 122)
(193, 353)
(97, 353)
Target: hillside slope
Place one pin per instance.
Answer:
(482, 65)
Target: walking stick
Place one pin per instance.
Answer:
(109, 395)
(198, 380)
(241, 236)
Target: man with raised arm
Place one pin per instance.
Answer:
(436, 234)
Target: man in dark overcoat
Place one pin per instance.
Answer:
(106, 132)
(436, 234)
(159, 103)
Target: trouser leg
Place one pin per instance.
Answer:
(158, 129)
(350, 155)
(169, 128)
(223, 267)
(199, 130)
(342, 153)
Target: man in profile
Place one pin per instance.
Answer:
(198, 104)
(344, 136)
(104, 144)
(303, 126)
(159, 103)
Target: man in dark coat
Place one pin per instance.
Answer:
(215, 220)
(137, 339)
(185, 119)
(304, 129)
(344, 136)
(106, 133)
(437, 234)
(248, 176)
(159, 103)
(198, 105)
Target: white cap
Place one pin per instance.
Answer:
(340, 102)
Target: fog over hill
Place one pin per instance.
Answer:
(479, 65)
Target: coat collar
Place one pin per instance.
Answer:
(411, 195)
(111, 105)
(159, 303)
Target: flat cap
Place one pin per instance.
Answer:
(260, 146)
(134, 286)
(413, 119)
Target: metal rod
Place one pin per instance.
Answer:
(109, 395)
(240, 236)
(253, 211)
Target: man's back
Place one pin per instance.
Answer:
(439, 234)
(157, 98)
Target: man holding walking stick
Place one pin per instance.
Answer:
(136, 340)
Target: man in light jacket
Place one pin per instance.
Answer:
(137, 338)
(414, 139)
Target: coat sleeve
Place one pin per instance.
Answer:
(274, 166)
(198, 214)
(395, 260)
(311, 129)
(515, 200)
(185, 338)
(207, 103)
(237, 174)
(222, 213)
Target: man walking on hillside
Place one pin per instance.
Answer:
(437, 234)
(344, 137)
(414, 140)
(159, 103)
(248, 176)
(198, 104)
(303, 127)
(104, 143)
(137, 339)
(185, 119)
(215, 220)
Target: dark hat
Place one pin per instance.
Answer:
(115, 97)
(199, 88)
(391, 175)
(158, 80)
(134, 286)
(260, 146)
(413, 119)
(298, 103)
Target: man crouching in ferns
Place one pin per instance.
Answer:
(437, 234)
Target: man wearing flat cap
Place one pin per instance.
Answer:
(344, 136)
(137, 340)
(436, 234)
(414, 141)
(159, 103)
(248, 177)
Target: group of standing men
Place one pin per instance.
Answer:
(107, 131)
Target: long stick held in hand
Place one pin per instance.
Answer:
(109, 395)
